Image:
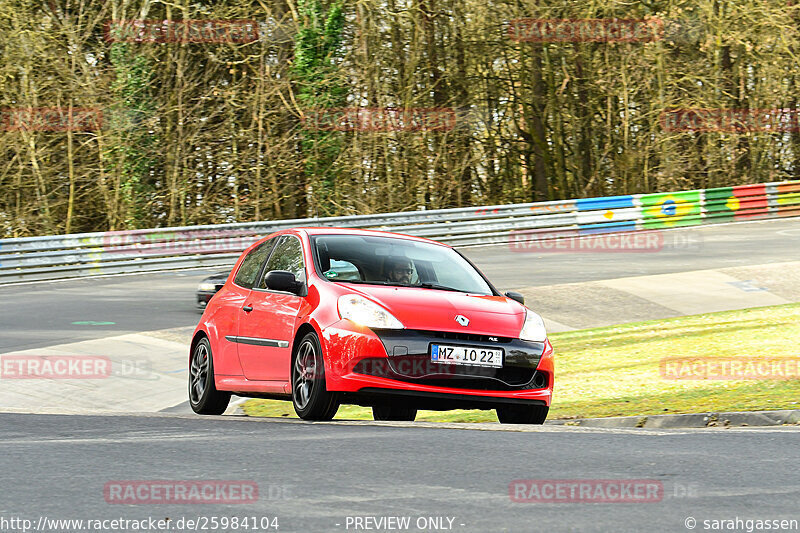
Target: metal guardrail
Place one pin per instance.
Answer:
(117, 252)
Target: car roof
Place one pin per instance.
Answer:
(365, 233)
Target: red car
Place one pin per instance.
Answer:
(325, 316)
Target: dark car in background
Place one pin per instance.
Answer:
(209, 287)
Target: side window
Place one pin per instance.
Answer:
(246, 277)
(288, 255)
(342, 271)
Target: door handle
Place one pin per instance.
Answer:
(247, 308)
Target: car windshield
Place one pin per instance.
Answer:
(396, 262)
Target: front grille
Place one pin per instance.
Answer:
(471, 337)
(468, 384)
(408, 359)
(423, 371)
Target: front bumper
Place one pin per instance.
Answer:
(435, 401)
(396, 363)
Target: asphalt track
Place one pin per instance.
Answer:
(678, 250)
(312, 477)
(42, 314)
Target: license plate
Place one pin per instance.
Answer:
(465, 355)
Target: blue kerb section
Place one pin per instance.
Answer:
(608, 227)
(608, 202)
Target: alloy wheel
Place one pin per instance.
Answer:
(198, 373)
(305, 366)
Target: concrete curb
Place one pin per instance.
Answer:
(695, 420)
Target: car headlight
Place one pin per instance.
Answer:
(533, 329)
(367, 313)
(206, 286)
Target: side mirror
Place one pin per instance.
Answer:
(282, 280)
(516, 296)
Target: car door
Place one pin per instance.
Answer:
(267, 320)
(228, 306)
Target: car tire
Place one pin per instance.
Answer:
(522, 414)
(310, 397)
(391, 412)
(204, 398)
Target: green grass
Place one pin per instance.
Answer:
(614, 371)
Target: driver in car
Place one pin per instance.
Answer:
(399, 270)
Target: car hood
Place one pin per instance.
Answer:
(435, 310)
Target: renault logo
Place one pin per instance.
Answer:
(461, 319)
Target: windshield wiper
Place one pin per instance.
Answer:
(423, 285)
(436, 286)
(362, 281)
